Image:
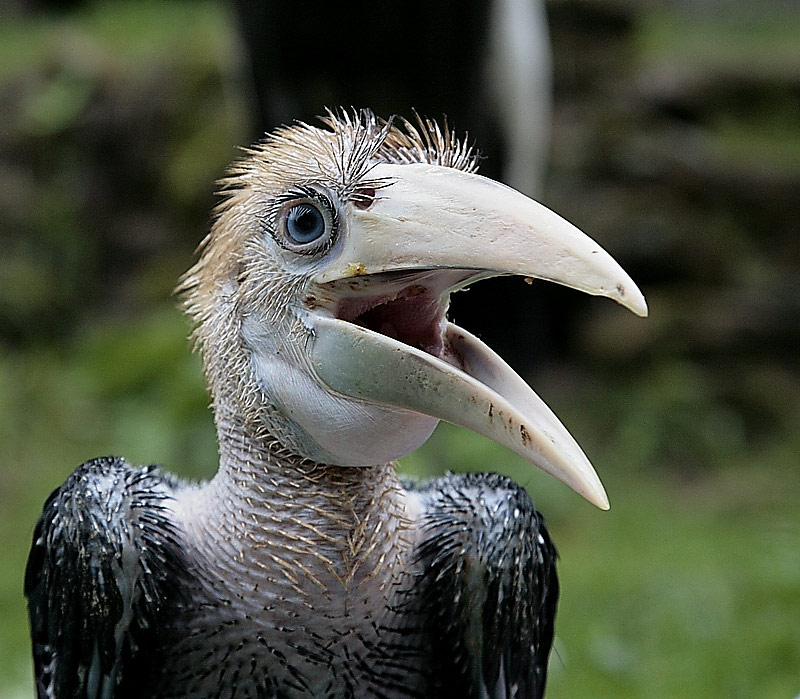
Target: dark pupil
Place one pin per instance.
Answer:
(305, 223)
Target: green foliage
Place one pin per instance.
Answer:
(117, 125)
(723, 34)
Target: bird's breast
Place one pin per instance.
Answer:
(287, 598)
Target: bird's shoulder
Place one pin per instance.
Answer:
(490, 584)
(480, 511)
(103, 556)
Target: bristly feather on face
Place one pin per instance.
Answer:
(345, 154)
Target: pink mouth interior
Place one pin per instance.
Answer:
(414, 316)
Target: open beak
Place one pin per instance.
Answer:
(386, 340)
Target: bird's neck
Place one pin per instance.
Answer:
(306, 525)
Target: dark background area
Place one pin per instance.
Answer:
(675, 143)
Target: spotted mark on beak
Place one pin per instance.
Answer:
(355, 270)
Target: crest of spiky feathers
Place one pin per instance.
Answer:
(342, 155)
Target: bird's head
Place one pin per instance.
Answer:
(321, 293)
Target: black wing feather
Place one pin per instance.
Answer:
(490, 587)
(89, 579)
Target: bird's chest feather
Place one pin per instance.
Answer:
(274, 611)
(268, 642)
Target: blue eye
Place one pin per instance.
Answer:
(305, 223)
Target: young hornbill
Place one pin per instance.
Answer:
(306, 567)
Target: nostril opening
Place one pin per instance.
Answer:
(364, 198)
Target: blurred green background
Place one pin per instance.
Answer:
(676, 144)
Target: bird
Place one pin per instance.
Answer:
(306, 567)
